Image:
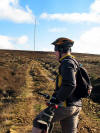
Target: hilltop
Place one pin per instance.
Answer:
(24, 73)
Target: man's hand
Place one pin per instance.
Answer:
(54, 100)
(90, 90)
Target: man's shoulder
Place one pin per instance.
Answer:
(69, 61)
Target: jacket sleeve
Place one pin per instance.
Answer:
(68, 81)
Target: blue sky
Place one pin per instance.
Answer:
(78, 20)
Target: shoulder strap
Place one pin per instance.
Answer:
(76, 62)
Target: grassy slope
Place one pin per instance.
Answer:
(23, 74)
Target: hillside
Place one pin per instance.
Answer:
(24, 73)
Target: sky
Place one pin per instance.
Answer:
(35, 24)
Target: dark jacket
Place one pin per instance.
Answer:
(66, 82)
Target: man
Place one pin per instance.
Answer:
(70, 105)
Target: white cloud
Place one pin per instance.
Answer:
(89, 42)
(22, 40)
(12, 42)
(11, 10)
(95, 7)
(5, 43)
(73, 17)
(57, 30)
(93, 16)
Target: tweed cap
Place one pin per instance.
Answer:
(63, 41)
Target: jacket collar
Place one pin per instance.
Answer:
(65, 56)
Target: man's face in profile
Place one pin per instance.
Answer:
(57, 55)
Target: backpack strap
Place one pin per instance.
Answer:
(74, 60)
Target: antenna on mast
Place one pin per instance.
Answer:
(34, 33)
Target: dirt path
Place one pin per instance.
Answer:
(36, 80)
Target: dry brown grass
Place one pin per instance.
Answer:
(23, 74)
